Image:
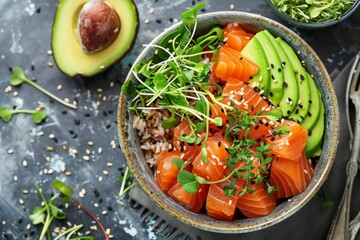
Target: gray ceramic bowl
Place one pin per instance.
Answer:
(315, 25)
(144, 175)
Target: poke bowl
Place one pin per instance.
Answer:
(207, 140)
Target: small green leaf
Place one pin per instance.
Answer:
(5, 114)
(274, 115)
(17, 76)
(169, 123)
(218, 121)
(327, 203)
(38, 116)
(38, 215)
(62, 188)
(180, 164)
(128, 88)
(187, 181)
(201, 105)
(200, 180)
(55, 211)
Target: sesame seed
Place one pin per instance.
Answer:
(25, 191)
(24, 163)
(146, 21)
(49, 149)
(10, 151)
(67, 100)
(59, 87)
(28, 226)
(21, 201)
(230, 202)
(100, 150)
(68, 173)
(105, 172)
(232, 6)
(109, 164)
(49, 52)
(102, 67)
(16, 178)
(8, 89)
(100, 178)
(86, 158)
(87, 151)
(96, 205)
(90, 143)
(50, 64)
(15, 93)
(104, 212)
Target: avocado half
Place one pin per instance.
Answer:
(67, 50)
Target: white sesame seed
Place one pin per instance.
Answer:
(15, 93)
(28, 226)
(88, 151)
(96, 205)
(232, 6)
(68, 173)
(105, 172)
(21, 201)
(230, 202)
(24, 163)
(8, 89)
(109, 164)
(10, 151)
(50, 64)
(25, 191)
(104, 212)
(100, 178)
(59, 87)
(49, 52)
(86, 158)
(90, 143)
(146, 21)
(16, 178)
(151, 10)
(100, 150)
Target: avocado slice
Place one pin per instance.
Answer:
(254, 52)
(274, 64)
(314, 140)
(303, 103)
(290, 96)
(314, 108)
(68, 53)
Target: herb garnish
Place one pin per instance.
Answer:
(38, 115)
(124, 180)
(18, 77)
(313, 10)
(49, 211)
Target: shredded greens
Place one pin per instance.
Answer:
(313, 10)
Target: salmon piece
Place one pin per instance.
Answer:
(290, 146)
(166, 170)
(189, 151)
(258, 203)
(216, 159)
(237, 37)
(291, 173)
(230, 63)
(220, 206)
(193, 202)
(308, 168)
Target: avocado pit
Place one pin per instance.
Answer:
(98, 26)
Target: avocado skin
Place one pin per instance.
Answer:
(290, 95)
(313, 142)
(274, 63)
(68, 54)
(254, 52)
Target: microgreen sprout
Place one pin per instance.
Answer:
(313, 10)
(48, 211)
(38, 115)
(18, 77)
(124, 181)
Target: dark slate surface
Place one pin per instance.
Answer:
(25, 32)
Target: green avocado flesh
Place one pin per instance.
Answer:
(68, 53)
(255, 53)
(285, 81)
(274, 64)
(290, 93)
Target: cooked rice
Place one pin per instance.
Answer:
(153, 137)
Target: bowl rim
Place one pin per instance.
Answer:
(241, 225)
(315, 25)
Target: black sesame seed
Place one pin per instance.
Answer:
(182, 144)
(309, 114)
(302, 78)
(77, 121)
(96, 193)
(297, 111)
(184, 135)
(272, 65)
(151, 118)
(301, 106)
(219, 143)
(288, 112)
(251, 77)
(310, 101)
(279, 69)
(283, 64)
(222, 110)
(272, 139)
(158, 21)
(256, 127)
(241, 58)
(272, 77)
(309, 133)
(285, 84)
(271, 94)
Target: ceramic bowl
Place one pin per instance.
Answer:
(315, 25)
(144, 175)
